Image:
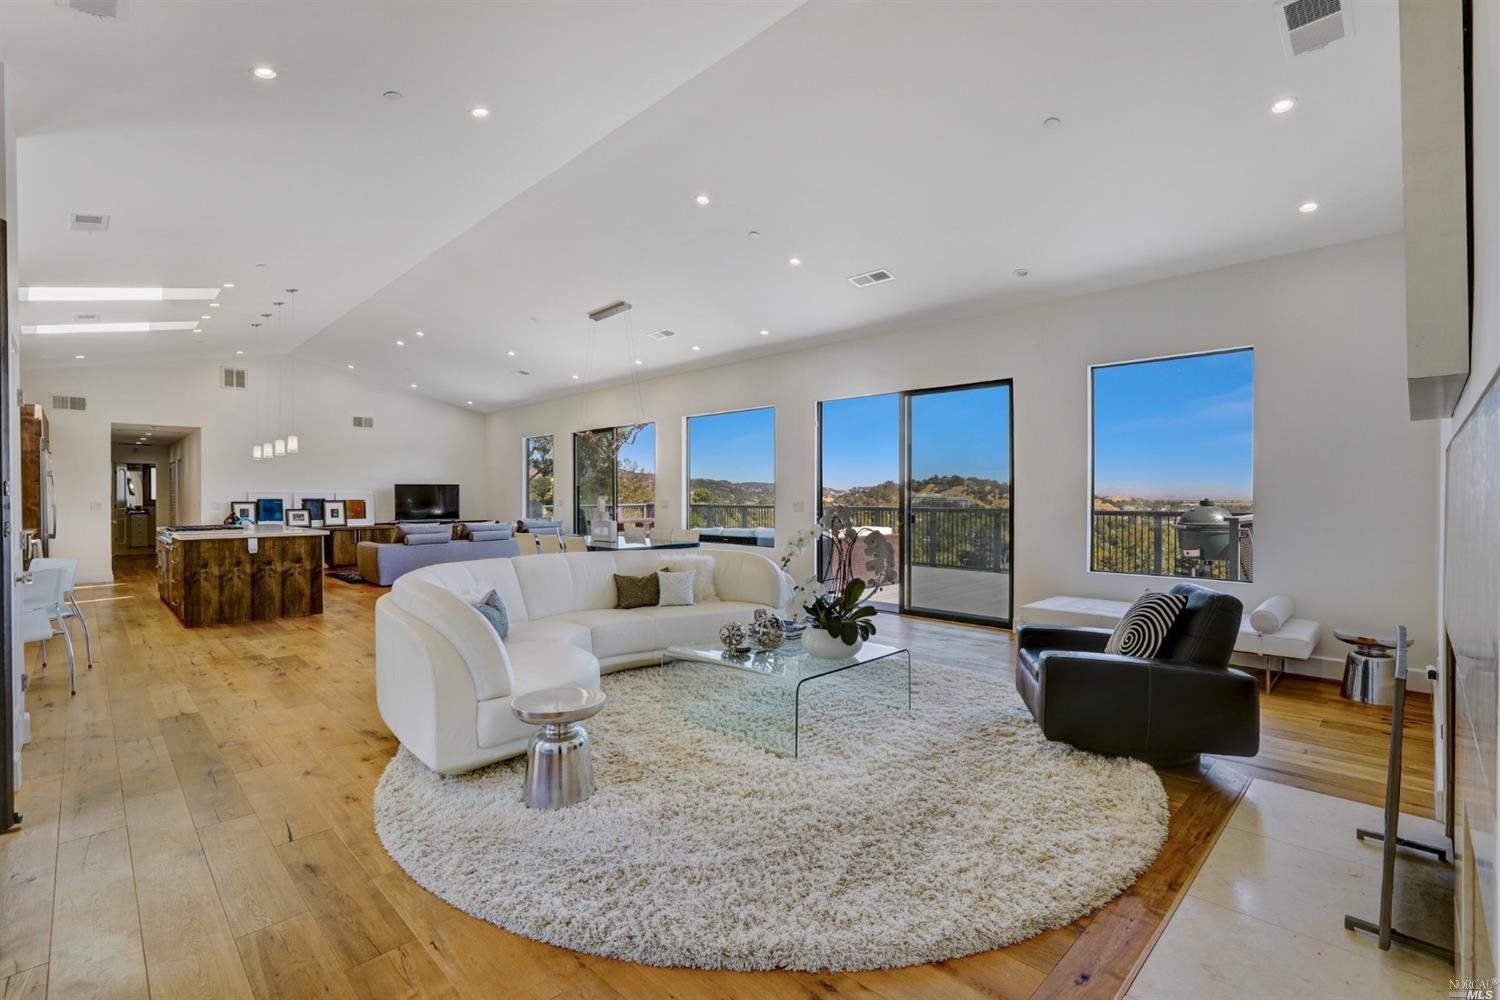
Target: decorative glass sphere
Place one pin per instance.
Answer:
(732, 635)
(766, 632)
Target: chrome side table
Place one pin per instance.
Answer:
(559, 771)
(1369, 669)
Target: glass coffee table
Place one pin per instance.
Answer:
(756, 697)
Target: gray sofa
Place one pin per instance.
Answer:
(430, 544)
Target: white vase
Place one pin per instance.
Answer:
(819, 643)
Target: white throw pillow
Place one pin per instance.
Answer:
(676, 588)
(702, 568)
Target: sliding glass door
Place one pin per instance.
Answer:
(615, 466)
(931, 470)
(958, 471)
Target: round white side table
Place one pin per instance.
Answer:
(559, 771)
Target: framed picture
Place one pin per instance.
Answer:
(359, 507)
(242, 509)
(313, 500)
(333, 513)
(298, 517)
(270, 510)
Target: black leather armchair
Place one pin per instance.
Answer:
(1167, 710)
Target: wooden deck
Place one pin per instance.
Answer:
(198, 823)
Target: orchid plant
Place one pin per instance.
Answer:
(838, 602)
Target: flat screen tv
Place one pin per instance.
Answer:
(426, 502)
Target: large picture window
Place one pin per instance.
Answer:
(617, 465)
(540, 502)
(1173, 446)
(732, 475)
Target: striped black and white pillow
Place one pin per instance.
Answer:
(1145, 626)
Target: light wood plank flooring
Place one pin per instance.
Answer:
(197, 823)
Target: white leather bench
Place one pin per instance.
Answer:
(1295, 640)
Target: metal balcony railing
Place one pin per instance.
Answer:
(1147, 542)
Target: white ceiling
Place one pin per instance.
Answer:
(206, 172)
(854, 135)
(151, 435)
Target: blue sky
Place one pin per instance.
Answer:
(642, 451)
(964, 433)
(739, 447)
(1177, 428)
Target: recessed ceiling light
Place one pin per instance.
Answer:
(54, 293)
(795, 262)
(414, 385)
(213, 305)
(400, 343)
(239, 352)
(765, 333)
(108, 327)
(350, 367)
(696, 347)
(228, 284)
(639, 361)
(420, 333)
(78, 357)
(1284, 105)
(468, 402)
(702, 199)
(574, 377)
(510, 354)
(1020, 272)
(480, 112)
(263, 72)
(206, 316)
(197, 329)
(1307, 207)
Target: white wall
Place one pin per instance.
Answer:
(1344, 496)
(188, 452)
(414, 440)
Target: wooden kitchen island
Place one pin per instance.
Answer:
(224, 576)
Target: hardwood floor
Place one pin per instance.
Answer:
(198, 823)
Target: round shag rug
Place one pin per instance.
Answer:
(896, 838)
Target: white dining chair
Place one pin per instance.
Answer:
(42, 596)
(526, 542)
(549, 543)
(635, 533)
(70, 608)
(575, 543)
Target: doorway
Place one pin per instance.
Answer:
(153, 484)
(931, 469)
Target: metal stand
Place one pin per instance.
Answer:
(1389, 837)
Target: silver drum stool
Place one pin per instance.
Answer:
(1369, 669)
(559, 771)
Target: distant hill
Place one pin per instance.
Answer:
(983, 492)
(725, 491)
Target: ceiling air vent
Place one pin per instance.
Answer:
(660, 334)
(234, 378)
(520, 371)
(870, 278)
(1308, 25)
(89, 222)
(112, 10)
(364, 422)
(69, 403)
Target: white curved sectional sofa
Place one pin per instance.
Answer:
(444, 680)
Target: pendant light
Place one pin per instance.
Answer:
(268, 448)
(280, 443)
(291, 437)
(256, 450)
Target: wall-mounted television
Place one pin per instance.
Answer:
(426, 502)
